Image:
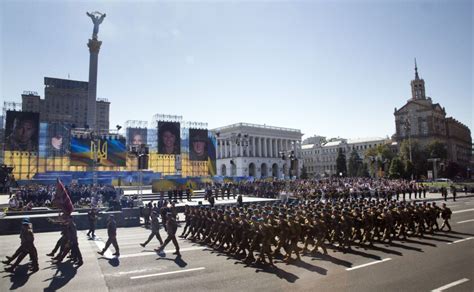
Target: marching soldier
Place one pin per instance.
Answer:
(446, 215)
(112, 233)
(26, 247)
(155, 229)
(171, 229)
(295, 232)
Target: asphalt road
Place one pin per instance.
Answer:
(445, 260)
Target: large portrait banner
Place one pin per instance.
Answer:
(169, 139)
(136, 136)
(21, 131)
(198, 145)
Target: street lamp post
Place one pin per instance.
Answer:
(291, 155)
(435, 167)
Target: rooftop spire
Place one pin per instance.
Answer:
(416, 71)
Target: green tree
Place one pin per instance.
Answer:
(341, 163)
(363, 170)
(379, 157)
(437, 149)
(396, 168)
(419, 163)
(354, 164)
(408, 169)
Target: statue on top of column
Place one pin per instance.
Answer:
(97, 19)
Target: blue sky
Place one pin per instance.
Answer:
(332, 68)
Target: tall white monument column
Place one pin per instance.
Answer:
(94, 47)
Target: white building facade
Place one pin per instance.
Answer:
(319, 156)
(259, 151)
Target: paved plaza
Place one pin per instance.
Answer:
(418, 264)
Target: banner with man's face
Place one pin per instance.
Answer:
(198, 144)
(21, 131)
(169, 139)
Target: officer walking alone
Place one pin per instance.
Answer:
(112, 233)
(92, 218)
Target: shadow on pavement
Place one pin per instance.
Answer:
(446, 235)
(309, 267)
(419, 242)
(114, 262)
(64, 273)
(357, 252)
(178, 260)
(460, 233)
(326, 257)
(19, 277)
(385, 250)
(282, 274)
(436, 239)
(406, 247)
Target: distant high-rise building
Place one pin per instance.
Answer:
(66, 101)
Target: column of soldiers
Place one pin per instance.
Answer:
(266, 229)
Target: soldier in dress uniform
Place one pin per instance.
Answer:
(446, 215)
(112, 233)
(27, 246)
(171, 228)
(155, 229)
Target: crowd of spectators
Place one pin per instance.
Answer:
(321, 188)
(35, 195)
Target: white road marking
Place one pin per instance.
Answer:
(447, 286)
(119, 274)
(368, 264)
(462, 211)
(148, 253)
(100, 244)
(465, 221)
(166, 273)
(461, 240)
